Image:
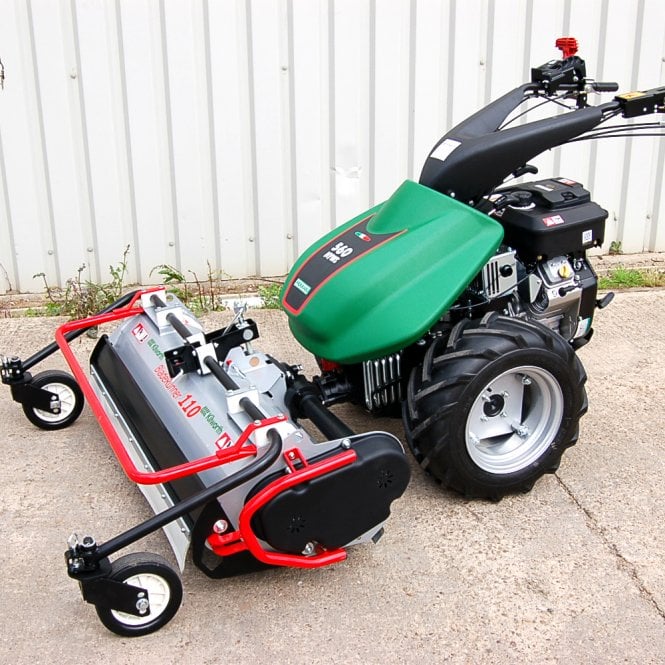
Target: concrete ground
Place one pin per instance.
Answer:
(569, 573)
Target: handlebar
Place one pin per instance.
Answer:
(603, 86)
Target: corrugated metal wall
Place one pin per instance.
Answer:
(235, 132)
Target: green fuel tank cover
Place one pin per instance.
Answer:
(379, 282)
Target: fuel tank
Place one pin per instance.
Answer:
(378, 283)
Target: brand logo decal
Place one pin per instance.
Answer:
(303, 287)
(553, 221)
(140, 333)
(363, 236)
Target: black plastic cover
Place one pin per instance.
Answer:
(479, 157)
(560, 220)
(338, 507)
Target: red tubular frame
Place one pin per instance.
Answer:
(235, 452)
(245, 539)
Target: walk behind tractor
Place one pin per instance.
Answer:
(457, 304)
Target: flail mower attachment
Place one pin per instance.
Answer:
(198, 421)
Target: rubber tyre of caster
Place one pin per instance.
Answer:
(154, 573)
(492, 408)
(71, 400)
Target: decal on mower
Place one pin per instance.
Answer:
(336, 255)
(140, 333)
(555, 220)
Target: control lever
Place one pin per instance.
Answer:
(523, 170)
(603, 302)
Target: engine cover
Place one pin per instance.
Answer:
(337, 508)
(561, 219)
(378, 283)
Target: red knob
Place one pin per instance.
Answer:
(568, 46)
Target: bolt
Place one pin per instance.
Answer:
(220, 526)
(88, 541)
(346, 444)
(310, 548)
(504, 414)
(521, 430)
(474, 439)
(142, 605)
(526, 381)
(505, 394)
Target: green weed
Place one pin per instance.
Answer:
(83, 297)
(270, 295)
(626, 278)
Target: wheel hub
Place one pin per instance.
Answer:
(514, 419)
(493, 406)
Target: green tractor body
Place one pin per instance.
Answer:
(378, 283)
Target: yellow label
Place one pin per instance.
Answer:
(631, 95)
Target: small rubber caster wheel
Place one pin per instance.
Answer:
(71, 400)
(151, 572)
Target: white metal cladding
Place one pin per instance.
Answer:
(233, 133)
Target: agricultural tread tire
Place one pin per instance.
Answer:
(453, 374)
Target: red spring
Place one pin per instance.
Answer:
(567, 45)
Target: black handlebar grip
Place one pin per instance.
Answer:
(604, 86)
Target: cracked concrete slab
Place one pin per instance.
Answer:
(571, 572)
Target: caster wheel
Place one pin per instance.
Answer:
(152, 572)
(71, 400)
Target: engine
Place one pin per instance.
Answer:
(559, 292)
(543, 266)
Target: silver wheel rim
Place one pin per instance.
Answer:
(514, 419)
(159, 594)
(67, 403)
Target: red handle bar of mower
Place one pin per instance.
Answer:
(232, 453)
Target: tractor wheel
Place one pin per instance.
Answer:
(493, 408)
(71, 400)
(151, 572)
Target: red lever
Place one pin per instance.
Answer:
(568, 46)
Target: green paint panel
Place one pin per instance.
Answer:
(428, 247)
